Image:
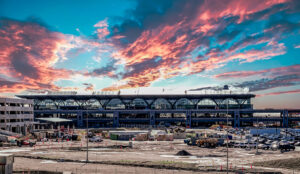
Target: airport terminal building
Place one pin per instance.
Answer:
(201, 108)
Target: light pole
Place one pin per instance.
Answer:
(257, 136)
(227, 137)
(87, 138)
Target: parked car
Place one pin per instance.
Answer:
(236, 145)
(271, 137)
(251, 145)
(230, 144)
(297, 143)
(285, 146)
(262, 140)
(95, 139)
(243, 145)
(263, 146)
(269, 142)
(274, 145)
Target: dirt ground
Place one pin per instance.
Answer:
(147, 157)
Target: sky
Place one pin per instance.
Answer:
(104, 45)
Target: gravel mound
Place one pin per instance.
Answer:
(183, 153)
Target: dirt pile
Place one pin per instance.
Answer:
(291, 163)
(37, 172)
(183, 153)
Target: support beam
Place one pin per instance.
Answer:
(152, 119)
(286, 118)
(237, 120)
(79, 119)
(283, 118)
(116, 119)
(188, 119)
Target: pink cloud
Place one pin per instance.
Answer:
(27, 53)
(286, 70)
(297, 91)
(172, 42)
(102, 28)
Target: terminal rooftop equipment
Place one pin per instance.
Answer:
(138, 108)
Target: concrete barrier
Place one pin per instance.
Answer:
(6, 163)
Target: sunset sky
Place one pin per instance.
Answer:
(94, 45)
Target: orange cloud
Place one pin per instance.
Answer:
(102, 29)
(28, 52)
(89, 87)
(174, 42)
(286, 70)
(214, 9)
(280, 92)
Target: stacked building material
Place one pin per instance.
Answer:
(141, 137)
(113, 136)
(179, 135)
(125, 135)
(165, 137)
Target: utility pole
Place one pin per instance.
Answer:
(257, 136)
(227, 137)
(87, 137)
(287, 124)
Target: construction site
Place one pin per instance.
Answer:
(211, 131)
(170, 150)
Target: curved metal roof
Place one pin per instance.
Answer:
(144, 96)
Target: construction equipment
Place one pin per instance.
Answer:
(207, 142)
(177, 129)
(191, 141)
(26, 140)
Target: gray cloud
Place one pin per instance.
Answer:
(269, 83)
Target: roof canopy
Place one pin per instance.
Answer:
(54, 120)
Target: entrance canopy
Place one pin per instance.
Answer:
(54, 120)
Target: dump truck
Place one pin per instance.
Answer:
(207, 142)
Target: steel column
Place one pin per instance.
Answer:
(152, 118)
(79, 119)
(116, 119)
(286, 118)
(236, 119)
(188, 119)
(283, 118)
